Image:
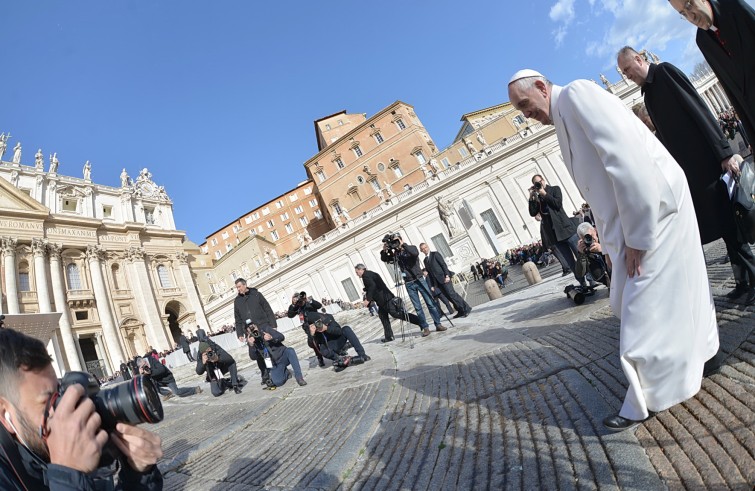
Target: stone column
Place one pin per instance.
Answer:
(112, 343)
(191, 291)
(39, 250)
(141, 287)
(70, 343)
(705, 98)
(716, 102)
(11, 288)
(722, 93)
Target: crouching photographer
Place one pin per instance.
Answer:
(331, 339)
(266, 344)
(163, 378)
(590, 259)
(67, 435)
(216, 362)
(302, 306)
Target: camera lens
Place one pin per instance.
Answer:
(133, 401)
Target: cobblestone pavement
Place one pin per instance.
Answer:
(512, 397)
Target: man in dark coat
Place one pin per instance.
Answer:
(125, 373)
(726, 37)
(211, 357)
(692, 135)
(163, 377)
(201, 335)
(375, 290)
(185, 346)
(251, 307)
(266, 343)
(547, 201)
(440, 279)
(303, 307)
(331, 337)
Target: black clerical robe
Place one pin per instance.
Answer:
(691, 134)
(729, 52)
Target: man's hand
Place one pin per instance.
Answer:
(581, 246)
(312, 329)
(366, 303)
(204, 357)
(633, 260)
(596, 248)
(242, 339)
(730, 165)
(541, 191)
(267, 337)
(446, 279)
(75, 437)
(141, 448)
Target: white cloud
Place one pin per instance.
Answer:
(562, 11)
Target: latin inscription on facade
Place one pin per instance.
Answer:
(19, 225)
(72, 232)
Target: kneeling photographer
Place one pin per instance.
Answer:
(590, 259)
(302, 306)
(54, 434)
(331, 339)
(266, 344)
(212, 359)
(163, 378)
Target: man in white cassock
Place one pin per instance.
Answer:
(647, 226)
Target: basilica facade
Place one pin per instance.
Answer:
(108, 258)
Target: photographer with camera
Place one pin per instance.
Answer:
(302, 306)
(163, 378)
(591, 259)
(331, 339)
(407, 258)
(59, 446)
(376, 291)
(251, 307)
(546, 200)
(266, 344)
(212, 359)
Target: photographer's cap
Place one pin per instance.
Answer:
(203, 346)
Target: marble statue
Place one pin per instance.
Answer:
(39, 160)
(345, 214)
(425, 173)
(144, 175)
(54, 163)
(481, 139)
(380, 196)
(337, 221)
(470, 147)
(388, 190)
(267, 258)
(605, 81)
(17, 153)
(274, 255)
(3, 144)
(124, 178)
(434, 166)
(300, 238)
(307, 237)
(87, 171)
(446, 212)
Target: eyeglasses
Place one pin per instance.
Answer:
(685, 9)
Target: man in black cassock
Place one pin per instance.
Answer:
(726, 37)
(691, 133)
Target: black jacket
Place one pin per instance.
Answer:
(733, 63)
(303, 311)
(275, 346)
(552, 212)
(332, 338)
(184, 343)
(125, 373)
(692, 135)
(408, 261)
(201, 335)
(252, 305)
(160, 373)
(17, 463)
(436, 267)
(224, 359)
(375, 289)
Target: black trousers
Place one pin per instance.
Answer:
(742, 261)
(217, 386)
(188, 355)
(438, 297)
(260, 361)
(337, 344)
(448, 290)
(392, 308)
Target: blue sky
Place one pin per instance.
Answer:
(217, 99)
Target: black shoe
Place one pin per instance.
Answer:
(737, 292)
(301, 381)
(366, 357)
(387, 340)
(750, 298)
(617, 423)
(237, 389)
(565, 273)
(459, 314)
(320, 362)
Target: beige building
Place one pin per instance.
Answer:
(287, 222)
(363, 162)
(109, 259)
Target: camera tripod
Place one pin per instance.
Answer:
(401, 289)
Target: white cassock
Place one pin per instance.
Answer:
(640, 199)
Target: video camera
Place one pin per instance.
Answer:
(133, 401)
(252, 331)
(392, 240)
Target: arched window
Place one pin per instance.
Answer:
(164, 276)
(73, 277)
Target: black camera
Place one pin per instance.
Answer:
(588, 240)
(210, 354)
(133, 401)
(392, 240)
(538, 185)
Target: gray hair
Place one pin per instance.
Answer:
(627, 51)
(584, 228)
(527, 83)
(360, 266)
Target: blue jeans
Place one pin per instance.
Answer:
(413, 288)
(279, 372)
